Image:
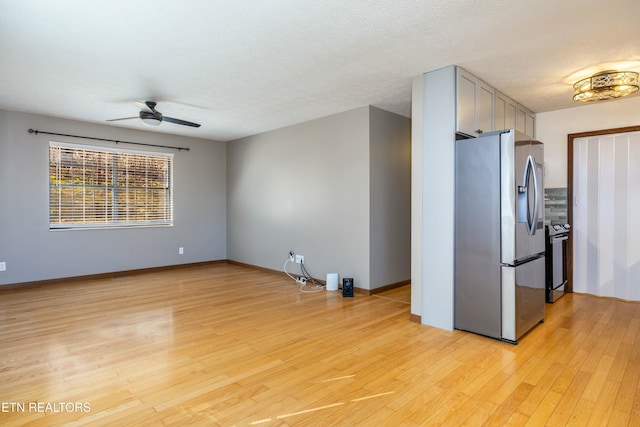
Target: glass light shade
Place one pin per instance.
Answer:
(150, 119)
(606, 85)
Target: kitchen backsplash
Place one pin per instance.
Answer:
(555, 206)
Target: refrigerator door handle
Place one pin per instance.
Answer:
(524, 210)
(536, 195)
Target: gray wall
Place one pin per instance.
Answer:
(328, 190)
(335, 190)
(303, 188)
(32, 252)
(390, 204)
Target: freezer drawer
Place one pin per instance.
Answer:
(523, 298)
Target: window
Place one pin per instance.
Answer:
(93, 187)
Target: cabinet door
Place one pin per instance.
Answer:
(525, 121)
(466, 104)
(530, 124)
(510, 113)
(500, 106)
(474, 105)
(505, 112)
(521, 119)
(484, 108)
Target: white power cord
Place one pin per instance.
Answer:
(318, 288)
(284, 267)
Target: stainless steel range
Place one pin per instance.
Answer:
(556, 260)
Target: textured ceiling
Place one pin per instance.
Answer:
(242, 67)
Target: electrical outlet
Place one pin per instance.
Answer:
(292, 256)
(180, 251)
(299, 259)
(3, 266)
(302, 280)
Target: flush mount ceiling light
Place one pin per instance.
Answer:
(606, 85)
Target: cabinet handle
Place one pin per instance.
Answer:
(478, 130)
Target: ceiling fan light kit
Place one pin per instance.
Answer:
(606, 85)
(150, 119)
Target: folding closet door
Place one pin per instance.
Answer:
(606, 215)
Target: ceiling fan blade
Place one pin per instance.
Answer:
(180, 122)
(124, 118)
(148, 106)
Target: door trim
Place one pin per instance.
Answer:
(570, 138)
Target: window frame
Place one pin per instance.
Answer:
(113, 208)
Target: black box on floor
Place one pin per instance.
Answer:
(347, 287)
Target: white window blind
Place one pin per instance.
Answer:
(103, 187)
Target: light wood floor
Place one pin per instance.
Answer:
(402, 294)
(232, 346)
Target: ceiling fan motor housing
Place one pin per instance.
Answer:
(151, 118)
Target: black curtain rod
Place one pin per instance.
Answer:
(109, 140)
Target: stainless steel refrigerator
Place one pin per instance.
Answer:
(499, 235)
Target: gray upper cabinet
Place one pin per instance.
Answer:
(474, 104)
(480, 108)
(525, 121)
(505, 112)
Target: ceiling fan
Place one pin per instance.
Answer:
(152, 117)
